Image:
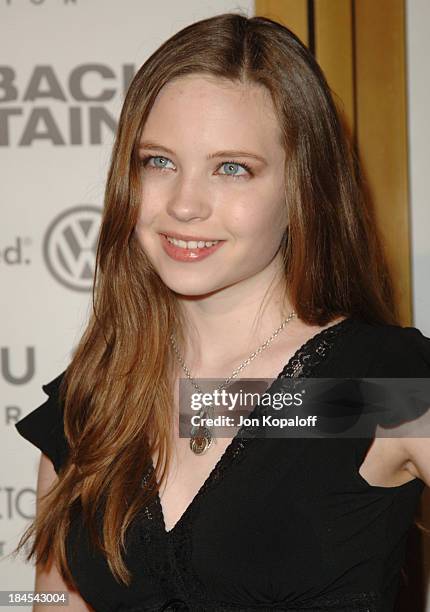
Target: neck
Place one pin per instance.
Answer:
(229, 324)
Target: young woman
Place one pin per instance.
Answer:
(235, 238)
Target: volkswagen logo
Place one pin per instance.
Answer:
(70, 244)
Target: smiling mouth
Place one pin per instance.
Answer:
(189, 250)
(190, 244)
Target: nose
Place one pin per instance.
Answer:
(189, 202)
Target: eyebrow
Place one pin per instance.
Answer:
(225, 153)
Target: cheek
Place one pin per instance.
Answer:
(258, 218)
(148, 210)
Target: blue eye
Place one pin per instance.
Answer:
(146, 160)
(236, 165)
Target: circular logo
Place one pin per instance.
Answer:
(70, 246)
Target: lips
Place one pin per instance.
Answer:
(188, 255)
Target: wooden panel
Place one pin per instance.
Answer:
(334, 51)
(381, 129)
(291, 13)
(360, 45)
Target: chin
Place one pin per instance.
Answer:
(192, 287)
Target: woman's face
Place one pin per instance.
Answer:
(198, 140)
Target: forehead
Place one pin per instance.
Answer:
(210, 106)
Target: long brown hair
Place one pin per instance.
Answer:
(117, 391)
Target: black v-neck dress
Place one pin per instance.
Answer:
(284, 524)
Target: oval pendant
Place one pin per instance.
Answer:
(200, 443)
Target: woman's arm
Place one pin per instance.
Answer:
(51, 580)
(418, 452)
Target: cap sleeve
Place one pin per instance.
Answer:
(44, 426)
(404, 352)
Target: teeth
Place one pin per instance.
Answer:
(191, 244)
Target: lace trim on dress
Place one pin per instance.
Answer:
(151, 536)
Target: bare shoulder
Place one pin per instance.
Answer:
(50, 578)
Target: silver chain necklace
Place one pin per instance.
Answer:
(201, 436)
